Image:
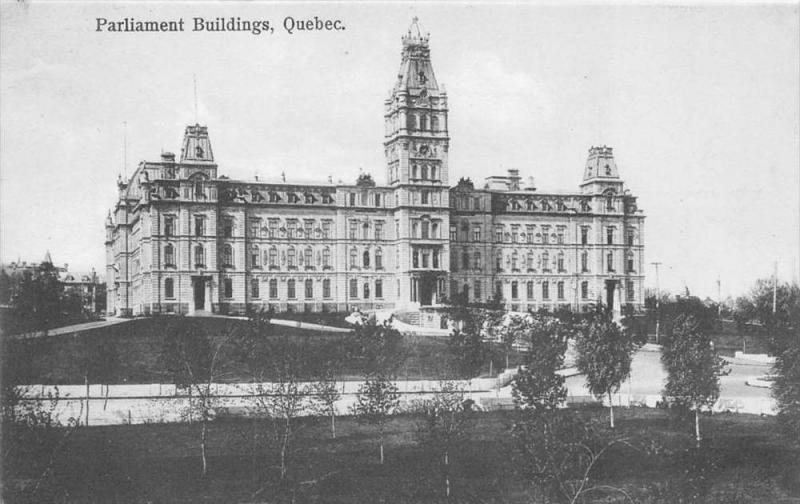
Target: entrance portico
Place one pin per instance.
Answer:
(201, 293)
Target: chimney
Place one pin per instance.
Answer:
(513, 179)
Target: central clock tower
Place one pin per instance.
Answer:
(416, 138)
(416, 146)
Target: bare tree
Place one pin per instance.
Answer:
(326, 394)
(446, 420)
(377, 399)
(195, 361)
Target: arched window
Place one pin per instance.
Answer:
(529, 289)
(378, 259)
(529, 261)
(560, 290)
(199, 256)
(227, 255)
(498, 261)
(291, 257)
(169, 288)
(434, 123)
(308, 259)
(514, 260)
(273, 288)
(366, 259)
(584, 261)
(353, 257)
(169, 255)
(545, 262)
(254, 257)
(514, 290)
(366, 290)
(413, 171)
(273, 257)
(309, 288)
(545, 290)
(353, 288)
(433, 173)
(326, 257)
(560, 262)
(254, 288)
(424, 172)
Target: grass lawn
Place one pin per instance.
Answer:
(745, 460)
(131, 353)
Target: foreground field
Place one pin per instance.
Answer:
(744, 460)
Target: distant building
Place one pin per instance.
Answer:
(87, 284)
(183, 239)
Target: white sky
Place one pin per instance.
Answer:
(701, 104)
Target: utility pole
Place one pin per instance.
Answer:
(658, 301)
(775, 288)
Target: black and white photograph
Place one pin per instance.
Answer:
(399, 252)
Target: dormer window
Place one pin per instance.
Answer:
(198, 151)
(608, 170)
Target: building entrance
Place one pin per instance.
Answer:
(199, 287)
(427, 287)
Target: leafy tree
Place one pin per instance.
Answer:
(538, 386)
(467, 346)
(37, 300)
(605, 353)
(378, 346)
(377, 399)
(445, 423)
(693, 367)
(778, 327)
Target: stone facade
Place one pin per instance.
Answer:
(182, 238)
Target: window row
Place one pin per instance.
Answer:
(362, 230)
(425, 229)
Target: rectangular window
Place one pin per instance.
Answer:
(365, 231)
(227, 228)
(545, 235)
(498, 290)
(629, 293)
(434, 230)
(425, 258)
(630, 265)
(377, 199)
(476, 234)
(610, 236)
(453, 233)
(290, 290)
(545, 290)
(498, 235)
(169, 226)
(477, 290)
(353, 288)
(425, 230)
(255, 226)
(584, 262)
(326, 288)
(326, 229)
(529, 233)
(425, 197)
(379, 230)
(273, 228)
(352, 199)
(610, 261)
(584, 235)
(353, 230)
(228, 288)
(169, 288)
(630, 238)
(273, 288)
(254, 288)
(529, 290)
(584, 290)
(309, 288)
(514, 290)
(308, 229)
(560, 290)
(199, 225)
(291, 226)
(379, 289)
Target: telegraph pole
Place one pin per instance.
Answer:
(658, 301)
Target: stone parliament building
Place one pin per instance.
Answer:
(182, 239)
